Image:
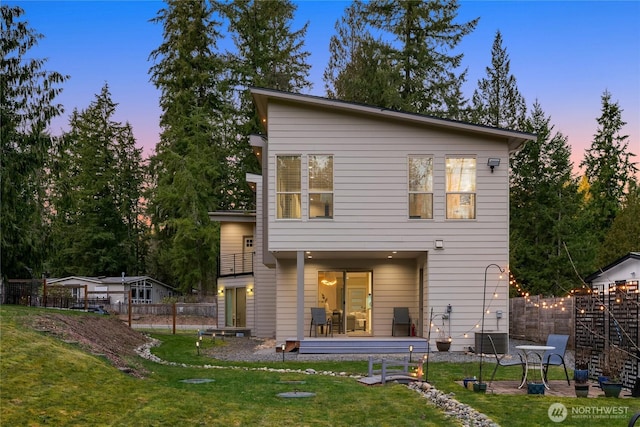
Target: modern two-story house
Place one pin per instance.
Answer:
(361, 210)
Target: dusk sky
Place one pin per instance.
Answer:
(563, 54)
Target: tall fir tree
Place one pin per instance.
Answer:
(96, 188)
(360, 68)
(188, 168)
(543, 207)
(624, 234)
(413, 51)
(497, 101)
(27, 105)
(267, 53)
(409, 62)
(608, 166)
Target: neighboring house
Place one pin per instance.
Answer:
(361, 209)
(623, 270)
(115, 290)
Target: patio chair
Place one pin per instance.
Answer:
(400, 317)
(555, 357)
(336, 319)
(319, 318)
(502, 361)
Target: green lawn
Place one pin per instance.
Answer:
(45, 381)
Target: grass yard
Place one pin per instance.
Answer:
(47, 381)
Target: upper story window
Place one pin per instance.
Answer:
(461, 187)
(288, 188)
(320, 186)
(420, 187)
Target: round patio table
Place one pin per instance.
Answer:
(528, 351)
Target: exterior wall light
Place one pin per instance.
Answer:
(492, 162)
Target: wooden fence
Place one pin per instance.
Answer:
(182, 309)
(534, 318)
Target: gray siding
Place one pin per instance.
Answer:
(371, 214)
(370, 183)
(232, 236)
(263, 304)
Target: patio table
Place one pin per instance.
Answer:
(528, 351)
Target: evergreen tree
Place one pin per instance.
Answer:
(27, 94)
(608, 167)
(360, 68)
(188, 169)
(544, 205)
(97, 185)
(497, 102)
(624, 235)
(267, 54)
(412, 54)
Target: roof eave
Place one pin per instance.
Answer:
(261, 97)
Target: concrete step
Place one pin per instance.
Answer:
(363, 346)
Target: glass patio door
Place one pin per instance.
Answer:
(347, 296)
(236, 307)
(358, 302)
(331, 297)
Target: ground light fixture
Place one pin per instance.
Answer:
(198, 347)
(410, 352)
(282, 347)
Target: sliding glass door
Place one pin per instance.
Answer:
(347, 298)
(236, 307)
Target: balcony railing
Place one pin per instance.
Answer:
(235, 264)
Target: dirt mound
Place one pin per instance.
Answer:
(103, 335)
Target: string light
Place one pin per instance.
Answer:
(557, 304)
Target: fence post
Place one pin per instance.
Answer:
(173, 312)
(44, 289)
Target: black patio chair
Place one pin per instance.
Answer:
(319, 319)
(400, 317)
